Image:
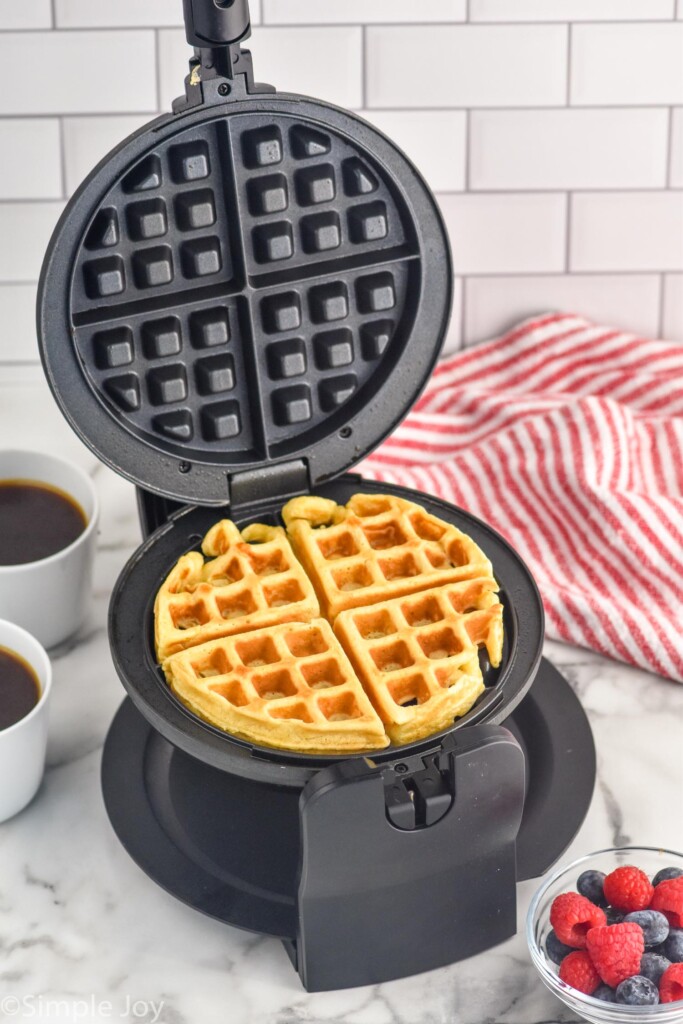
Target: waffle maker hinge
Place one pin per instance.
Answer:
(220, 69)
(384, 895)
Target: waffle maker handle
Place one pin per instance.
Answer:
(410, 866)
(221, 70)
(213, 23)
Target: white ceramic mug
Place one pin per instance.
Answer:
(49, 598)
(23, 745)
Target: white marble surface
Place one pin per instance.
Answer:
(84, 935)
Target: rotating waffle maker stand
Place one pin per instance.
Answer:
(239, 303)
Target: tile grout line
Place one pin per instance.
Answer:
(517, 191)
(53, 13)
(528, 190)
(478, 274)
(364, 65)
(62, 156)
(463, 318)
(661, 301)
(468, 150)
(407, 25)
(157, 68)
(669, 150)
(570, 35)
(422, 108)
(568, 233)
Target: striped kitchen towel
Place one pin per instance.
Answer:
(568, 439)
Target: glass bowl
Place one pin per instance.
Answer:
(538, 927)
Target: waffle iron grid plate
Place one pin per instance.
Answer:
(253, 284)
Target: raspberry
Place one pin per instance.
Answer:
(628, 889)
(572, 916)
(671, 985)
(616, 951)
(577, 970)
(668, 899)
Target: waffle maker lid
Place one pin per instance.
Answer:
(246, 296)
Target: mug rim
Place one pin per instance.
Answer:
(42, 655)
(82, 537)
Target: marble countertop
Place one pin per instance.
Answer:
(85, 935)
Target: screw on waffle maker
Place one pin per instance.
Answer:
(239, 303)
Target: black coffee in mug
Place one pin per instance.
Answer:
(19, 688)
(36, 521)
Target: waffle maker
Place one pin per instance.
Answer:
(239, 303)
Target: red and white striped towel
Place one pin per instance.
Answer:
(568, 439)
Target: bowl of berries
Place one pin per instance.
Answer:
(606, 935)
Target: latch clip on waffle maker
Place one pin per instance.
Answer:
(240, 302)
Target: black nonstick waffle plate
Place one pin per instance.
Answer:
(264, 282)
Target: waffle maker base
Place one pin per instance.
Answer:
(193, 830)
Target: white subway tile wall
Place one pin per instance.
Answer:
(435, 140)
(673, 306)
(466, 65)
(30, 161)
(31, 14)
(324, 12)
(124, 13)
(622, 64)
(628, 301)
(569, 149)
(25, 229)
(506, 232)
(550, 130)
(73, 72)
(88, 139)
(570, 10)
(18, 342)
(627, 231)
(676, 167)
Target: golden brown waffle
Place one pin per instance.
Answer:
(377, 547)
(417, 656)
(289, 686)
(252, 580)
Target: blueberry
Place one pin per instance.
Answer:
(590, 884)
(637, 991)
(652, 966)
(655, 926)
(673, 947)
(605, 993)
(665, 874)
(613, 916)
(556, 950)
